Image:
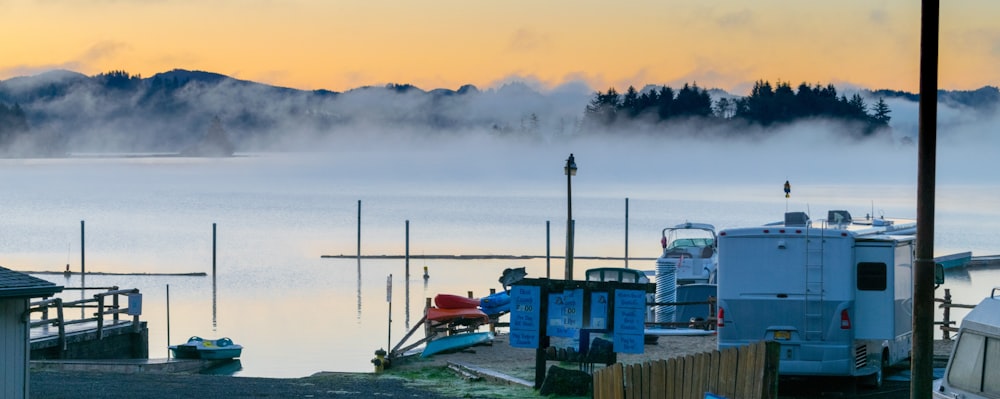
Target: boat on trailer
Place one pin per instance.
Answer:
(690, 249)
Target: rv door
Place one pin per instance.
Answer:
(884, 289)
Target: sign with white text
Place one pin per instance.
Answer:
(630, 318)
(525, 316)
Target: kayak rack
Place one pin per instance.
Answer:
(432, 330)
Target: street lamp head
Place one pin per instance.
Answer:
(570, 168)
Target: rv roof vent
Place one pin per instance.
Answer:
(838, 217)
(796, 219)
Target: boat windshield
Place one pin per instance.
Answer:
(691, 242)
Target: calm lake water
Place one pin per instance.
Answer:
(277, 214)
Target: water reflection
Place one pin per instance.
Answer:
(214, 305)
(358, 317)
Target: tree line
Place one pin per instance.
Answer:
(765, 106)
(13, 122)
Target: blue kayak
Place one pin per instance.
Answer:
(456, 342)
(495, 304)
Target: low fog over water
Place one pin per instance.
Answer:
(464, 192)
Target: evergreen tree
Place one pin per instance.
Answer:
(630, 102)
(13, 123)
(693, 101)
(602, 110)
(881, 111)
(665, 103)
(724, 108)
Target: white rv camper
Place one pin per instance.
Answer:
(974, 366)
(835, 293)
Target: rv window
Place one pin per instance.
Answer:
(871, 276)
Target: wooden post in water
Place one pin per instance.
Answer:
(83, 269)
(213, 257)
(388, 299)
(548, 250)
(407, 250)
(359, 233)
(626, 232)
(168, 321)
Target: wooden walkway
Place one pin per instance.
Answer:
(55, 332)
(48, 332)
(477, 257)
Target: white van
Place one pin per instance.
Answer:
(974, 366)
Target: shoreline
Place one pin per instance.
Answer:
(496, 370)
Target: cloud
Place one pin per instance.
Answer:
(102, 51)
(736, 19)
(526, 40)
(95, 54)
(878, 17)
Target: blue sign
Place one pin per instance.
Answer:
(599, 310)
(525, 316)
(565, 314)
(630, 319)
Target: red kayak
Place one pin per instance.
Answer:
(449, 301)
(460, 316)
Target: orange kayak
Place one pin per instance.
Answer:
(461, 315)
(449, 301)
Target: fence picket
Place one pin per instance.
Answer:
(746, 372)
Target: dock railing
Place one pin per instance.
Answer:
(947, 324)
(99, 302)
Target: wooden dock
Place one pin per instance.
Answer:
(478, 257)
(984, 261)
(100, 334)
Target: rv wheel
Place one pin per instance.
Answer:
(874, 380)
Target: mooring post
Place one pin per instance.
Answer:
(83, 269)
(388, 299)
(168, 321)
(626, 232)
(548, 250)
(407, 250)
(213, 257)
(359, 235)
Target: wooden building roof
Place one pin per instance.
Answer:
(15, 284)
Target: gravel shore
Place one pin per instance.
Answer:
(413, 377)
(104, 385)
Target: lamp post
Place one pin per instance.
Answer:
(570, 171)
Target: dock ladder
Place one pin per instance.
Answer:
(815, 321)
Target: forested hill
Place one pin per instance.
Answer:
(60, 112)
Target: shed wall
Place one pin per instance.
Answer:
(13, 347)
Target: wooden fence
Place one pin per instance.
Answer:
(748, 372)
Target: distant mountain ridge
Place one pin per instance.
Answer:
(173, 111)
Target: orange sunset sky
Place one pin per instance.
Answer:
(342, 44)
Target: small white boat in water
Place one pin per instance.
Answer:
(207, 349)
